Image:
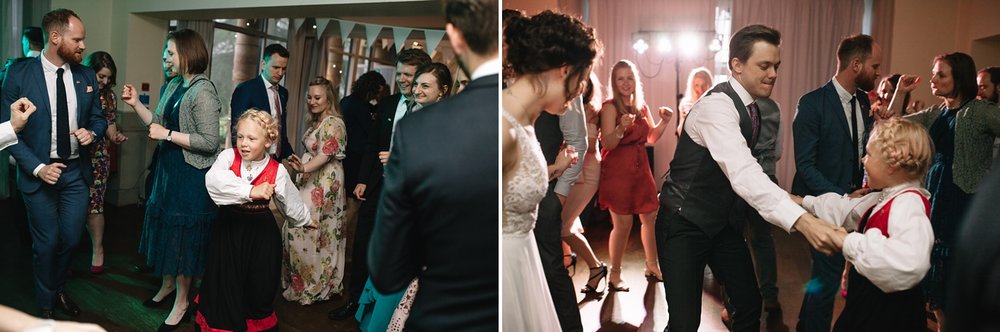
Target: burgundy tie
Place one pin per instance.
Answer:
(754, 123)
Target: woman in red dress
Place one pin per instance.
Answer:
(626, 185)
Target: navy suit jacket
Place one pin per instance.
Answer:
(27, 79)
(379, 138)
(358, 118)
(438, 210)
(253, 94)
(824, 159)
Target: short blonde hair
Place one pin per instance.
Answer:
(905, 145)
(264, 120)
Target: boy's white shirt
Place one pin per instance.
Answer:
(896, 263)
(225, 188)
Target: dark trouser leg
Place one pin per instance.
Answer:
(362, 236)
(763, 251)
(730, 262)
(683, 252)
(817, 304)
(548, 237)
(57, 215)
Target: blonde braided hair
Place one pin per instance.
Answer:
(904, 145)
(264, 120)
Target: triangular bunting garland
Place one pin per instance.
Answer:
(371, 32)
(345, 30)
(432, 38)
(399, 35)
(321, 26)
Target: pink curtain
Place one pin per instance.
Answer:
(810, 33)
(616, 21)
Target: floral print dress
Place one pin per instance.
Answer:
(314, 259)
(101, 160)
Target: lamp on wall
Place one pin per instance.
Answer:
(675, 45)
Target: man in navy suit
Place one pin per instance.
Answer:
(437, 217)
(830, 130)
(54, 171)
(263, 92)
(369, 185)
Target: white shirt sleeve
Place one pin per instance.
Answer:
(840, 210)
(900, 261)
(288, 200)
(714, 123)
(7, 135)
(224, 187)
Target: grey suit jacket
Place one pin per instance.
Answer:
(199, 117)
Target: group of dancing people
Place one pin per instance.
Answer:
(207, 213)
(897, 175)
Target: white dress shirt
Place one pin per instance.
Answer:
(845, 101)
(7, 136)
(225, 188)
(490, 67)
(893, 263)
(714, 123)
(400, 112)
(272, 97)
(49, 70)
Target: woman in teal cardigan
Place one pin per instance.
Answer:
(963, 129)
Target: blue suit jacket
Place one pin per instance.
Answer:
(26, 79)
(253, 94)
(823, 157)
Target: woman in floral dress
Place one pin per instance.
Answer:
(314, 258)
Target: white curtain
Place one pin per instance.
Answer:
(810, 33)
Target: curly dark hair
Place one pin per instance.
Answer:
(441, 72)
(368, 85)
(551, 40)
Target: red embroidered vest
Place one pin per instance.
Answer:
(880, 219)
(269, 175)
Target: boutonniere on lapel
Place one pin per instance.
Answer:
(90, 89)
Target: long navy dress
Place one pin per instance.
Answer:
(948, 205)
(179, 212)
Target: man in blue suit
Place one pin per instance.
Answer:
(263, 92)
(830, 129)
(54, 171)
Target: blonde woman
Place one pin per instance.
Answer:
(314, 258)
(699, 81)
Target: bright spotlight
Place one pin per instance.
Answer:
(663, 44)
(640, 46)
(716, 45)
(689, 43)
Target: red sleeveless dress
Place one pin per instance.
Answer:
(626, 185)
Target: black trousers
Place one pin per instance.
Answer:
(684, 250)
(548, 235)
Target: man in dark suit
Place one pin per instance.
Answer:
(369, 184)
(438, 217)
(830, 130)
(263, 92)
(54, 171)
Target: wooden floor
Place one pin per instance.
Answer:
(114, 299)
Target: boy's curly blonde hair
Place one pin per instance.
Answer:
(905, 145)
(264, 120)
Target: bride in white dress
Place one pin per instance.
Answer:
(547, 79)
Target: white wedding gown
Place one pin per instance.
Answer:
(527, 303)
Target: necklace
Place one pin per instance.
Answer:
(248, 166)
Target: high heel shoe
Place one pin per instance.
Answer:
(601, 274)
(164, 327)
(571, 268)
(650, 274)
(150, 303)
(619, 287)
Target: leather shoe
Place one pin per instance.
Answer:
(343, 312)
(67, 305)
(47, 314)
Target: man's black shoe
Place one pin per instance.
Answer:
(67, 305)
(346, 311)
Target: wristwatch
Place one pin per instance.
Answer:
(170, 138)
